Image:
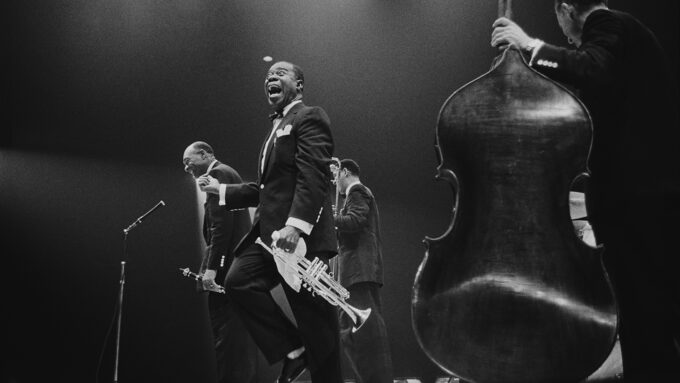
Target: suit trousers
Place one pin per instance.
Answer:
(235, 350)
(640, 255)
(368, 349)
(249, 281)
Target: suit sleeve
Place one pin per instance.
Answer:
(222, 222)
(594, 62)
(354, 216)
(241, 195)
(314, 150)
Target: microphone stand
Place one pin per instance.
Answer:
(139, 220)
(122, 284)
(120, 314)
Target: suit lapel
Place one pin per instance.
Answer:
(259, 157)
(284, 121)
(269, 145)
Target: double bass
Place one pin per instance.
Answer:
(509, 293)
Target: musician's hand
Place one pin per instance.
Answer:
(208, 184)
(209, 281)
(334, 171)
(506, 32)
(286, 238)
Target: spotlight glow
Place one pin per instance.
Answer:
(267, 58)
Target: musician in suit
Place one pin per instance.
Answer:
(622, 76)
(360, 271)
(292, 199)
(235, 350)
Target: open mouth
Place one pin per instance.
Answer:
(273, 89)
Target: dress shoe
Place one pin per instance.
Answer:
(292, 369)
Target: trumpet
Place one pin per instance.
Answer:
(315, 279)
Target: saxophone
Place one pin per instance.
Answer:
(315, 279)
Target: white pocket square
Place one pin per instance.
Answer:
(285, 131)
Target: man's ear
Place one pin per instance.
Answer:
(570, 10)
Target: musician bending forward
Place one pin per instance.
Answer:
(292, 197)
(633, 198)
(360, 271)
(234, 349)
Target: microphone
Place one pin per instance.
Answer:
(139, 220)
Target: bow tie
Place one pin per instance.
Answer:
(275, 115)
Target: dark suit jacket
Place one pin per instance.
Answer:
(295, 181)
(358, 226)
(222, 228)
(623, 78)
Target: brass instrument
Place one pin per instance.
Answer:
(199, 277)
(335, 169)
(318, 282)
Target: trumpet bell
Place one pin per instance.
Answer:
(361, 317)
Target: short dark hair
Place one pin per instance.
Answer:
(200, 145)
(298, 72)
(582, 4)
(350, 165)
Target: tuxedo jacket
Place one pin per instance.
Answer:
(295, 181)
(623, 77)
(222, 228)
(358, 230)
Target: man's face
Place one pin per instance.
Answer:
(281, 85)
(343, 182)
(196, 162)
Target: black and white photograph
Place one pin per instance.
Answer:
(341, 191)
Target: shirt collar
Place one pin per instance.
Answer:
(212, 165)
(289, 106)
(351, 185)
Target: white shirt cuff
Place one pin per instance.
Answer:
(223, 195)
(300, 224)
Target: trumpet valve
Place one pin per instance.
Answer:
(316, 269)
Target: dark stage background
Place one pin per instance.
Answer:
(104, 96)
